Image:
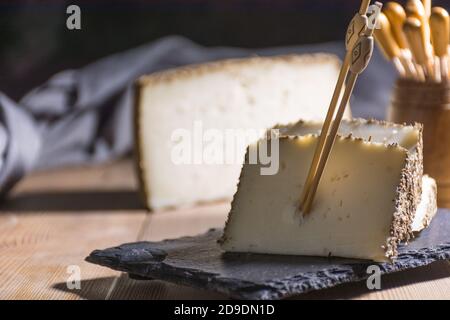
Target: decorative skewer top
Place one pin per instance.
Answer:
(396, 16)
(422, 34)
(440, 30)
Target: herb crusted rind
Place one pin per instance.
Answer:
(409, 194)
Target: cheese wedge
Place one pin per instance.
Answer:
(366, 202)
(427, 208)
(244, 94)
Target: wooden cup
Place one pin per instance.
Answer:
(429, 104)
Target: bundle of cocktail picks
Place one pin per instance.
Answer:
(416, 39)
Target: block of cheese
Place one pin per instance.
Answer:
(182, 108)
(366, 202)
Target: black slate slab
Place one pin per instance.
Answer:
(199, 262)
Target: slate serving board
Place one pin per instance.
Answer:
(199, 262)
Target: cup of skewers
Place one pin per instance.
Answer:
(416, 39)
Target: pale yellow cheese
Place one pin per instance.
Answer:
(356, 201)
(242, 95)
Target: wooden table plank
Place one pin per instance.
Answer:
(50, 223)
(54, 219)
(38, 248)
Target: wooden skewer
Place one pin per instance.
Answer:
(416, 9)
(364, 7)
(356, 26)
(397, 16)
(358, 65)
(387, 43)
(408, 63)
(417, 44)
(358, 23)
(427, 7)
(329, 143)
(360, 56)
(439, 24)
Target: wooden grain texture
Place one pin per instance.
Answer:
(54, 219)
(50, 222)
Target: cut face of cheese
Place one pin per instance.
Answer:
(249, 95)
(387, 133)
(368, 130)
(365, 203)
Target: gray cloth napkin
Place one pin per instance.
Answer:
(85, 116)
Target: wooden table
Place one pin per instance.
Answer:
(53, 220)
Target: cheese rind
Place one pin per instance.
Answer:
(427, 208)
(241, 94)
(364, 206)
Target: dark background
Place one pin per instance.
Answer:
(35, 42)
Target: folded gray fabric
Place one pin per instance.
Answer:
(85, 116)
